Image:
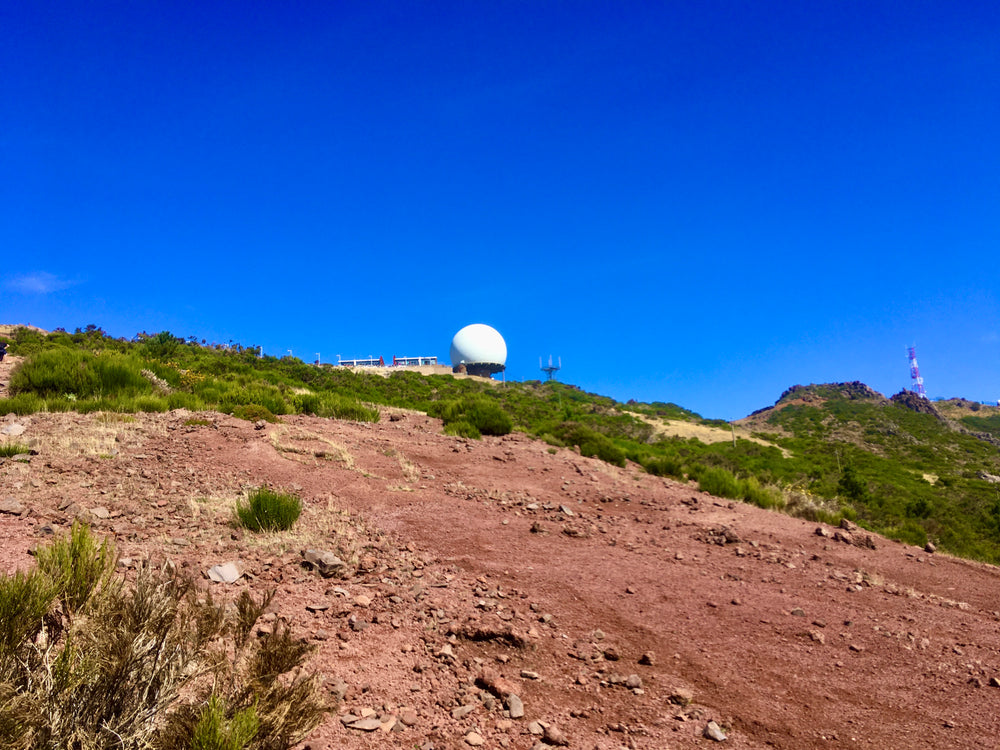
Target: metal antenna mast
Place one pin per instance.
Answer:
(551, 369)
(918, 381)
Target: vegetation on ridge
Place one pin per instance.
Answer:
(827, 452)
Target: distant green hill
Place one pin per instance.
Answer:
(905, 467)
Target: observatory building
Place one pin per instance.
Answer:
(479, 350)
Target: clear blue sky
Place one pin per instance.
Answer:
(699, 202)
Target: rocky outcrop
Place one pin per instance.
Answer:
(916, 402)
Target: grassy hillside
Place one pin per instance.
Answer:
(899, 466)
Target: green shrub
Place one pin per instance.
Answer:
(57, 372)
(215, 732)
(590, 442)
(761, 496)
(22, 404)
(24, 600)
(184, 400)
(197, 422)
(486, 415)
(8, 450)
(267, 510)
(664, 466)
(156, 404)
(720, 482)
(347, 408)
(462, 428)
(254, 413)
(130, 673)
(308, 403)
(77, 565)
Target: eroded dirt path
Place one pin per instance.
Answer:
(598, 593)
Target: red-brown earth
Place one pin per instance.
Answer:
(554, 572)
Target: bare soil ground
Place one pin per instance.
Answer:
(598, 593)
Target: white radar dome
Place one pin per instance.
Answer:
(480, 349)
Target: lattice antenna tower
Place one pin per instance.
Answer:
(915, 376)
(551, 369)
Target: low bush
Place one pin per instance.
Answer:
(78, 565)
(721, 483)
(22, 404)
(268, 510)
(57, 372)
(590, 442)
(152, 665)
(254, 413)
(8, 450)
(486, 415)
(664, 466)
(333, 406)
(462, 428)
(762, 496)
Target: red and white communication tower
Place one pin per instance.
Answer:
(915, 372)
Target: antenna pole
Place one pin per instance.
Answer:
(551, 369)
(918, 381)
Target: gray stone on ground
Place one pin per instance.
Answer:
(462, 711)
(366, 725)
(12, 506)
(324, 562)
(229, 572)
(555, 736)
(13, 430)
(515, 706)
(714, 732)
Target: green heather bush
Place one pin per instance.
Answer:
(267, 510)
(56, 372)
(590, 442)
(7, 450)
(78, 565)
(486, 415)
(149, 404)
(254, 413)
(259, 394)
(184, 400)
(332, 406)
(24, 599)
(664, 466)
(720, 482)
(22, 404)
(215, 732)
(151, 665)
(761, 496)
(462, 428)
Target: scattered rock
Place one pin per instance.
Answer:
(229, 572)
(462, 711)
(324, 562)
(474, 739)
(555, 736)
(647, 659)
(12, 506)
(681, 697)
(515, 707)
(714, 732)
(366, 725)
(491, 680)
